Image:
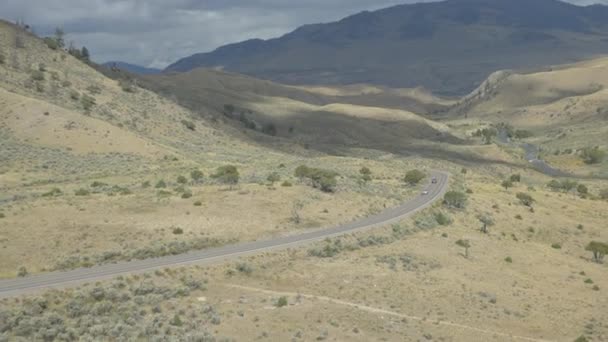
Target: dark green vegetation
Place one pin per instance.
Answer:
(458, 42)
(414, 177)
(325, 180)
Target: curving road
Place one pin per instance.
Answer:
(18, 286)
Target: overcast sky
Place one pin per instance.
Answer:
(155, 33)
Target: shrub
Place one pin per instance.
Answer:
(443, 219)
(42, 67)
(282, 302)
(196, 175)
(507, 184)
(516, 178)
(94, 89)
(525, 199)
(593, 155)
(97, 184)
(177, 231)
(74, 95)
(582, 189)
(2, 215)
(145, 184)
(466, 244)
(273, 178)
(604, 194)
(189, 125)
(37, 75)
(509, 260)
(599, 250)
(523, 134)
(414, 177)
(88, 102)
(286, 184)
(127, 86)
(160, 184)
(82, 192)
(325, 180)
(227, 174)
(181, 180)
(269, 129)
(366, 174)
(187, 194)
(198, 203)
(176, 321)
(51, 43)
(244, 268)
(455, 200)
(556, 246)
(22, 272)
(2, 59)
(53, 193)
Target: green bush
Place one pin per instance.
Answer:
(414, 177)
(507, 184)
(366, 174)
(187, 194)
(88, 102)
(74, 95)
(160, 184)
(2, 59)
(523, 134)
(196, 175)
(325, 180)
(189, 125)
(22, 272)
(556, 246)
(443, 219)
(525, 199)
(82, 192)
(286, 184)
(509, 260)
(273, 178)
(198, 204)
(282, 302)
(181, 180)
(37, 75)
(244, 268)
(97, 184)
(2, 215)
(145, 184)
(127, 86)
(53, 193)
(516, 178)
(227, 174)
(455, 200)
(593, 155)
(51, 43)
(599, 250)
(177, 231)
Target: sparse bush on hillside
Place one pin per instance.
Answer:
(366, 174)
(177, 231)
(22, 271)
(2, 215)
(160, 184)
(516, 178)
(487, 221)
(582, 189)
(82, 192)
(599, 250)
(286, 184)
(466, 244)
(181, 180)
(2, 59)
(414, 177)
(88, 102)
(53, 193)
(42, 67)
(51, 43)
(455, 200)
(98, 184)
(523, 134)
(273, 178)
(281, 302)
(486, 134)
(39, 87)
(227, 174)
(94, 89)
(189, 125)
(593, 155)
(325, 180)
(604, 194)
(186, 194)
(74, 95)
(507, 184)
(37, 75)
(525, 199)
(128, 86)
(565, 185)
(196, 176)
(270, 129)
(244, 267)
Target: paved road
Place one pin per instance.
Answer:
(18, 286)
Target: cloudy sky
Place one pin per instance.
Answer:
(158, 32)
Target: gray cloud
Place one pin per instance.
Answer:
(158, 32)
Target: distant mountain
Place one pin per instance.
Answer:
(136, 69)
(448, 47)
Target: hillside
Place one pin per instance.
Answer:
(564, 106)
(449, 47)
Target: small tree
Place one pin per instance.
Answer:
(466, 244)
(455, 200)
(507, 184)
(414, 177)
(84, 53)
(59, 37)
(593, 155)
(599, 250)
(227, 174)
(273, 178)
(487, 221)
(525, 199)
(196, 175)
(366, 174)
(516, 178)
